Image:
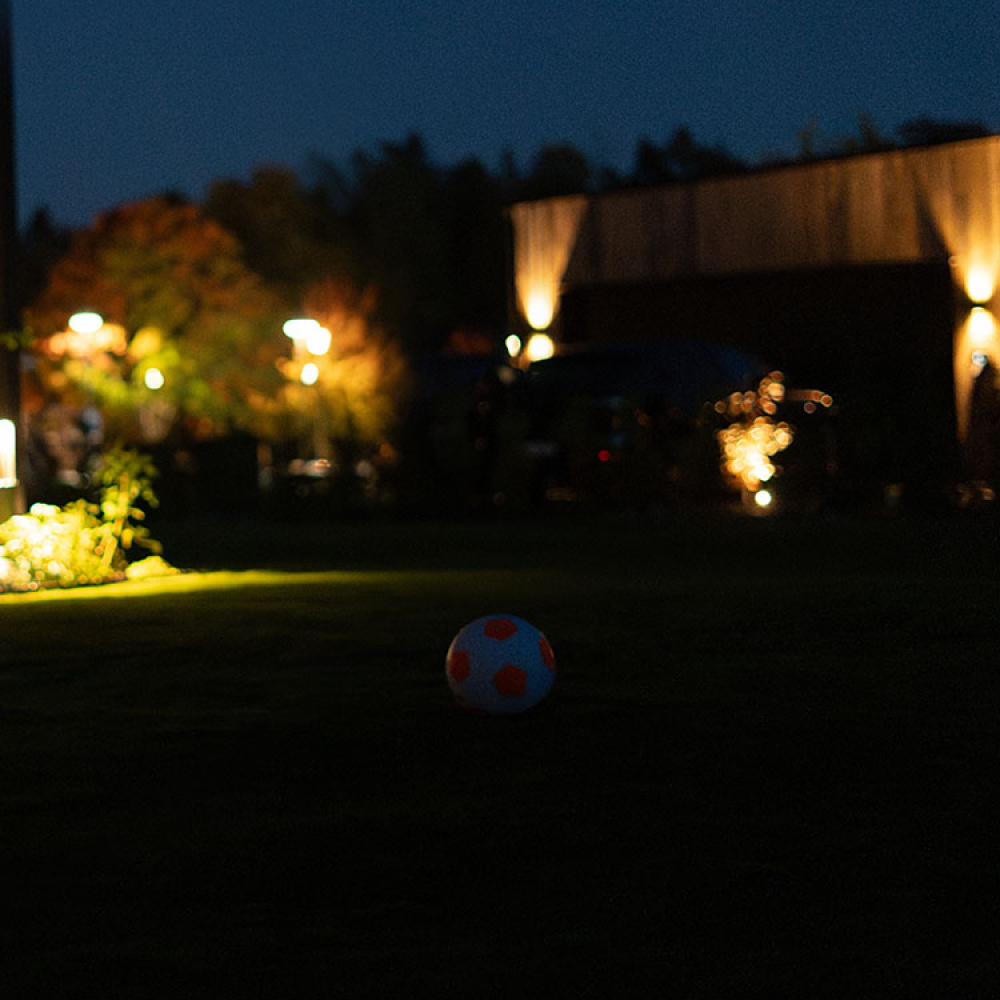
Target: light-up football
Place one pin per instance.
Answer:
(500, 665)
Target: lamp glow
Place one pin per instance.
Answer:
(8, 454)
(153, 379)
(318, 340)
(299, 328)
(309, 374)
(540, 310)
(982, 327)
(980, 285)
(86, 322)
(513, 345)
(540, 347)
(763, 498)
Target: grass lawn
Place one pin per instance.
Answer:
(769, 764)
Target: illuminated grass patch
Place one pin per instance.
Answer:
(181, 583)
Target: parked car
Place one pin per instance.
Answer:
(615, 422)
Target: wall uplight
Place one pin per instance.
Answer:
(980, 285)
(539, 310)
(982, 327)
(539, 347)
(8, 455)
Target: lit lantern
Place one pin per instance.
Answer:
(86, 322)
(299, 329)
(318, 340)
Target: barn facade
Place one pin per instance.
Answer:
(874, 277)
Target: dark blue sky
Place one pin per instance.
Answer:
(117, 99)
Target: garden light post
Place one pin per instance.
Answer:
(88, 336)
(8, 469)
(311, 341)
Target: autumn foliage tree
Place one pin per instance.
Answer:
(178, 295)
(360, 381)
(177, 285)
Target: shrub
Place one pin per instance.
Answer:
(83, 542)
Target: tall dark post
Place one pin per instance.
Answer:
(8, 184)
(9, 305)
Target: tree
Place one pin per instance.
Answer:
(926, 131)
(477, 246)
(43, 242)
(356, 388)
(292, 237)
(398, 219)
(681, 158)
(869, 139)
(557, 169)
(176, 286)
(431, 240)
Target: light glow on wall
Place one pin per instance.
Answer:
(976, 339)
(545, 234)
(540, 308)
(982, 327)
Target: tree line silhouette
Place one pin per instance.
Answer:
(432, 239)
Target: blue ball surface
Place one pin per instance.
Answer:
(500, 665)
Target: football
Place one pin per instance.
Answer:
(500, 665)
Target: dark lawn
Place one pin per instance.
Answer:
(769, 764)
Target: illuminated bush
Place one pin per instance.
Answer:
(51, 547)
(83, 542)
(748, 450)
(755, 433)
(753, 437)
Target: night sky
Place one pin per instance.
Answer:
(119, 99)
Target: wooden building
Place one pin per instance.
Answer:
(873, 276)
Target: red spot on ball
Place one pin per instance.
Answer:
(545, 650)
(510, 681)
(499, 628)
(458, 665)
